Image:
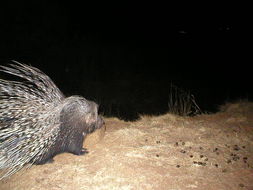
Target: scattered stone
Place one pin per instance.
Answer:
(201, 156)
(176, 144)
(183, 151)
(224, 170)
(236, 148)
(245, 159)
(202, 163)
(157, 155)
(191, 156)
(216, 165)
(241, 185)
(183, 143)
(199, 163)
(178, 166)
(158, 142)
(235, 157)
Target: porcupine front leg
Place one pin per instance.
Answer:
(44, 161)
(76, 145)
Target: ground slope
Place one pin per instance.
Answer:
(211, 151)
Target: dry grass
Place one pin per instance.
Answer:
(165, 152)
(182, 102)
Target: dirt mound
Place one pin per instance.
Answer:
(241, 106)
(165, 152)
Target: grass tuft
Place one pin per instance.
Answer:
(182, 102)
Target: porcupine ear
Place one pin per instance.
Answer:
(51, 92)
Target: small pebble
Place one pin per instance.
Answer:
(191, 156)
(199, 163)
(183, 143)
(216, 165)
(224, 170)
(176, 144)
(202, 163)
(201, 156)
(158, 142)
(157, 155)
(236, 148)
(178, 166)
(241, 185)
(235, 157)
(183, 151)
(245, 159)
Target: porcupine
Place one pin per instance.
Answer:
(37, 121)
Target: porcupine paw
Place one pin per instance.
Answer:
(49, 161)
(83, 151)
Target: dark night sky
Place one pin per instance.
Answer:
(202, 48)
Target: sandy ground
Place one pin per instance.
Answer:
(209, 151)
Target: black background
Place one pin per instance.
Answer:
(125, 56)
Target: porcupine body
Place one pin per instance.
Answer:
(37, 121)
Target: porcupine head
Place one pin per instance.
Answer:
(37, 121)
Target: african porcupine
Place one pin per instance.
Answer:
(37, 121)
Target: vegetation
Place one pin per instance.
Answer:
(182, 102)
